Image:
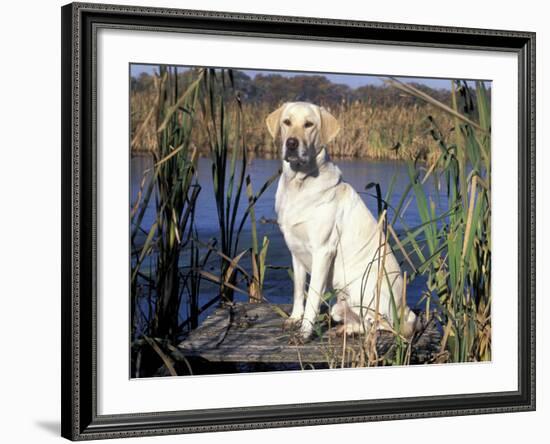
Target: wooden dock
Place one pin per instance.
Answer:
(253, 334)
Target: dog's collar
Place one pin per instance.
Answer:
(308, 174)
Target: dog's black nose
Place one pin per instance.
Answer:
(292, 143)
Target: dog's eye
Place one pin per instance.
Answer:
(308, 124)
(286, 122)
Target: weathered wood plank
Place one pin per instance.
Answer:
(253, 333)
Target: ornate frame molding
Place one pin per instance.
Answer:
(79, 395)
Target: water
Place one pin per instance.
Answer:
(277, 284)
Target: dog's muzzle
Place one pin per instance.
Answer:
(291, 149)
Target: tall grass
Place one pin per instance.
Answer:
(454, 249)
(222, 118)
(159, 281)
(368, 131)
(170, 183)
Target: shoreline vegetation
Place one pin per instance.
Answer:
(377, 122)
(208, 112)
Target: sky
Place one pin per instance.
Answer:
(353, 81)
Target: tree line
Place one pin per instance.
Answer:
(275, 88)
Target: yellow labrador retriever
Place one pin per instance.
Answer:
(329, 231)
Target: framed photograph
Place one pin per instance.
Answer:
(277, 221)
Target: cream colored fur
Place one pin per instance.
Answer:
(328, 229)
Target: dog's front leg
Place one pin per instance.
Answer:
(322, 260)
(299, 272)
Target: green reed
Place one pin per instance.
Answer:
(454, 249)
(170, 183)
(222, 121)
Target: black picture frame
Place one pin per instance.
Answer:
(79, 386)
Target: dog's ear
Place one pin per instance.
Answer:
(273, 121)
(329, 126)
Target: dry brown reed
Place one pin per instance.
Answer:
(367, 132)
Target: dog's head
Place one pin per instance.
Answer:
(305, 129)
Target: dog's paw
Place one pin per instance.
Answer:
(337, 331)
(296, 339)
(291, 323)
(305, 331)
(300, 335)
